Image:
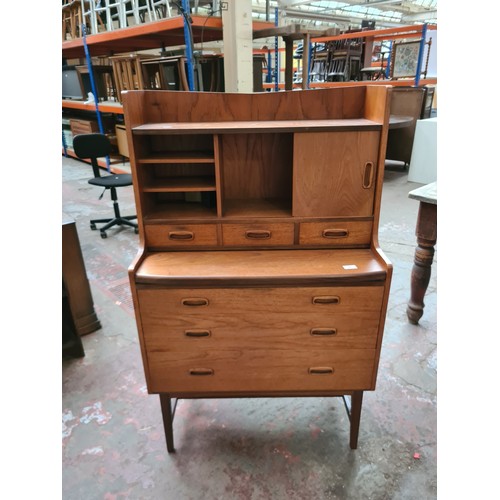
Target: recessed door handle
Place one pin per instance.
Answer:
(321, 370)
(181, 235)
(200, 372)
(193, 302)
(322, 332)
(197, 333)
(335, 233)
(326, 299)
(258, 235)
(368, 175)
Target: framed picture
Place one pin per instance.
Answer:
(405, 59)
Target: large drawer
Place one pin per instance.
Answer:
(280, 318)
(333, 233)
(272, 234)
(181, 235)
(258, 370)
(260, 301)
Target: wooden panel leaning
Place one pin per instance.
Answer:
(259, 272)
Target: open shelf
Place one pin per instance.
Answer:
(179, 157)
(181, 184)
(245, 127)
(256, 208)
(104, 106)
(178, 211)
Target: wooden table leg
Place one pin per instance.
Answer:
(166, 410)
(426, 233)
(355, 417)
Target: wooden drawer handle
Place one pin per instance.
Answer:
(258, 235)
(335, 233)
(197, 333)
(368, 175)
(181, 235)
(319, 332)
(321, 370)
(198, 372)
(194, 302)
(326, 299)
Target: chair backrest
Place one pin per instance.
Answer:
(92, 146)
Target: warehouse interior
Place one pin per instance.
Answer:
(412, 443)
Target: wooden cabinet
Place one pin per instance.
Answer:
(76, 286)
(79, 126)
(259, 272)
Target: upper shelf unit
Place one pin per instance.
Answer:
(155, 35)
(104, 107)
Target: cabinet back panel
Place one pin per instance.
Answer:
(178, 106)
(182, 143)
(330, 173)
(257, 166)
(184, 170)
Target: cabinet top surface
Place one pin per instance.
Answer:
(256, 126)
(427, 193)
(256, 267)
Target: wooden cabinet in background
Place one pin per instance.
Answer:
(81, 126)
(121, 140)
(260, 273)
(405, 101)
(76, 285)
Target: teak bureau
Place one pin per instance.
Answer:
(259, 272)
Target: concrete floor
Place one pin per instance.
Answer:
(113, 444)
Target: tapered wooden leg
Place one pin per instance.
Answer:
(426, 233)
(355, 417)
(166, 410)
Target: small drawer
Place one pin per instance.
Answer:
(335, 233)
(188, 235)
(257, 234)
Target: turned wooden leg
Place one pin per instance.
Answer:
(355, 417)
(426, 233)
(166, 410)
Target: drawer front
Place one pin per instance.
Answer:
(280, 318)
(257, 234)
(181, 235)
(260, 302)
(261, 370)
(335, 233)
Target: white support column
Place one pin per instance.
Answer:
(238, 44)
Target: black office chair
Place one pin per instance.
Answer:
(94, 146)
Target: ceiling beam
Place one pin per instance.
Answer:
(294, 3)
(344, 20)
(428, 16)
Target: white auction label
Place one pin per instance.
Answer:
(350, 266)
